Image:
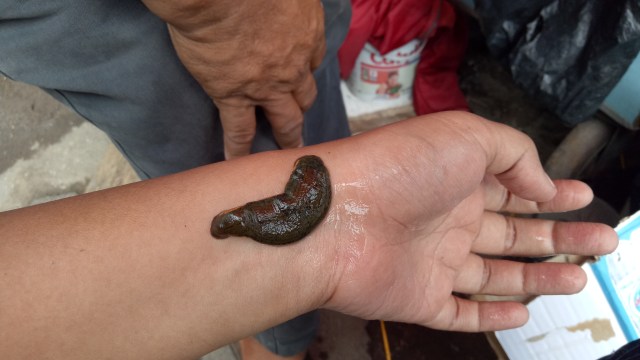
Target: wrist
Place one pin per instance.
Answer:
(337, 244)
(311, 268)
(300, 274)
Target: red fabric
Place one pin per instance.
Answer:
(389, 24)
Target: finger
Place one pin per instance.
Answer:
(286, 119)
(321, 43)
(465, 315)
(513, 159)
(570, 195)
(239, 127)
(318, 53)
(306, 93)
(502, 277)
(504, 235)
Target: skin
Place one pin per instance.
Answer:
(284, 218)
(248, 54)
(133, 272)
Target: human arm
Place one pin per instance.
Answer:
(247, 54)
(133, 271)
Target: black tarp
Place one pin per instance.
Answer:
(567, 54)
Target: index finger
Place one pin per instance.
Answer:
(570, 195)
(513, 159)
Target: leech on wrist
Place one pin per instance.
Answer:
(286, 217)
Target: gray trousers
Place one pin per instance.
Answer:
(113, 63)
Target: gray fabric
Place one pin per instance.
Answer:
(113, 63)
(292, 337)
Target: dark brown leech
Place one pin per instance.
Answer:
(283, 218)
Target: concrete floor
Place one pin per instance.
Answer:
(46, 151)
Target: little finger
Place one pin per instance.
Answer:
(571, 195)
(471, 316)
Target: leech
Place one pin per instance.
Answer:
(286, 217)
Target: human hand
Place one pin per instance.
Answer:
(414, 205)
(248, 54)
(421, 201)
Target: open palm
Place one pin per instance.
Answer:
(424, 204)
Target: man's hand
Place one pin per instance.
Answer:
(248, 54)
(421, 213)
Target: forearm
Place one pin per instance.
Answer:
(133, 271)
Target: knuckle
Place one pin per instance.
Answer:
(289, 136)
(239, 136)
(309, 100)
(528, 284)
(287, 140)
(291, 77)
(505, 199)
(486, 277)
(510, 235)
(290, 127)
